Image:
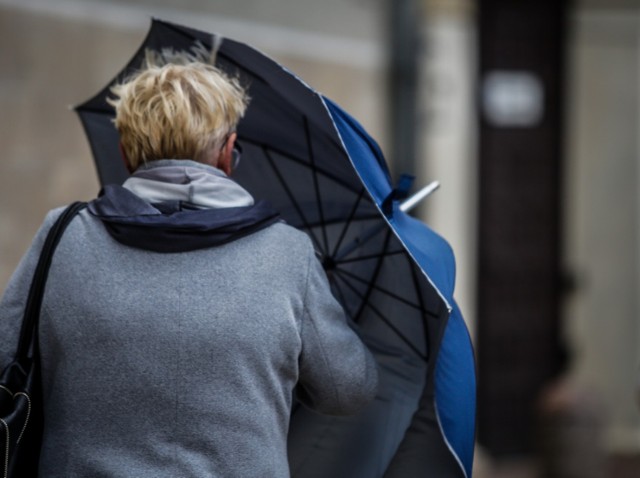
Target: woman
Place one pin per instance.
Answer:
(179, 314)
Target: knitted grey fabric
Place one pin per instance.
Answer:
(183, 364)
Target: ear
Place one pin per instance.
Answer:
(125, 160)
(226, 155)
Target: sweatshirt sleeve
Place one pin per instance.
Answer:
(338, 374)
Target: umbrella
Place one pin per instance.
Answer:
(393, 275)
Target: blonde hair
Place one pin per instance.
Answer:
(178, 106)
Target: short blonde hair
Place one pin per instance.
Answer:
(176, 107)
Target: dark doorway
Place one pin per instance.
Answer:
(521, 67)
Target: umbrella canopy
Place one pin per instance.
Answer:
(393, 275)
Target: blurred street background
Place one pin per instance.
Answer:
(526, 111)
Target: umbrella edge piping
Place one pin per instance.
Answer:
(437, 289)
(446, 440)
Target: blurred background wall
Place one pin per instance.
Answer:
(57, 53)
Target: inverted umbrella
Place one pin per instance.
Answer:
(393, 275)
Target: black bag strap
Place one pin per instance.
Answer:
(36, 291)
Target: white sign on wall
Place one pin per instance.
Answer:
(512, 99)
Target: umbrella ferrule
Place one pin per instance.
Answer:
(413, 201)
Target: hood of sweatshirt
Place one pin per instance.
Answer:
(179, 206)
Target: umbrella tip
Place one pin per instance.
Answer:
(419, 196)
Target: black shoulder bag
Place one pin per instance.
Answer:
(20, 384)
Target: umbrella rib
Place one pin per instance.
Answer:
(385, 321)
(423, 308)
(370, 256)
(316, 184)
(254, 75)
(295, 159)
(374, 276)
(291, 198)
(340, 220)
(383, 290)
(359, 241)
(345, 228)
(219, 53)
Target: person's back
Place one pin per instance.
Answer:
(179, 364)
(178, 318)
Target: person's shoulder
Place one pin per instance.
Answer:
(53, 214)
(51, 217)
(284, 229)
(289, 238)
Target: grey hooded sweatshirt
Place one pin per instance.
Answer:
(183, 364)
